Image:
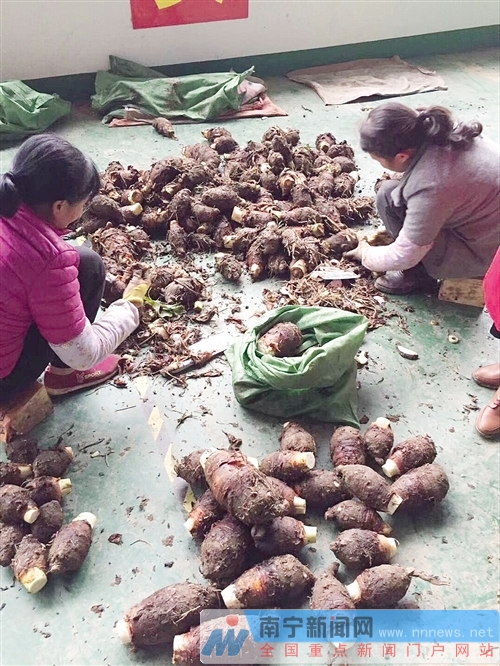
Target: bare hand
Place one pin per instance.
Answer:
(140, 277)
(357, 253)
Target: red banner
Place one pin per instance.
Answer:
(155, 13)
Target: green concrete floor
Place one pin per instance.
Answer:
(71, 621)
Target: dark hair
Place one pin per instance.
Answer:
(393, 127)
(47, 168)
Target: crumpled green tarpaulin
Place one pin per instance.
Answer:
(24, 111)
(196, 97)
(320, 383)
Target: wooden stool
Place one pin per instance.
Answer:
(21, 415)
(465, 291)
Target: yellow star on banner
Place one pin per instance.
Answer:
(165, 4)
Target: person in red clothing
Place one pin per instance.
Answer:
(488, 419)
(50, 292)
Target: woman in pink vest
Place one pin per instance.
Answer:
(50, 292)
(488, 419)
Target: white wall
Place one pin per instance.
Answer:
(41, 38)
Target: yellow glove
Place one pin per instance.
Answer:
(136, 294)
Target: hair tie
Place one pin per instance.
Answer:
(10, 175)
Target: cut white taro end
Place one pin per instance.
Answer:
(87, 517)
(310, 534)
(189, 525)
(393, 504)
(407, 353)
(179, 646)
(65, 486)
(33, 580)
(229, 597)
(304, 459)
(69, 451)
(123, 631)
(390, 468)
(31, 515)
(354, 591)
(253, 461)
(238, 215)
(25, 471)
(382, 422)
(205, 456)
(299, 505)
(390, 545)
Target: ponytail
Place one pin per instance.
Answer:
(9, 196)
(45, 169)
(393, 127)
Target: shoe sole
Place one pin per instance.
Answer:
(74, 389)
(492, 435)
(490, 386)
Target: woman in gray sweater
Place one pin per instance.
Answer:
(444, 210)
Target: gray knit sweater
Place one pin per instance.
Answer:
(452, 199)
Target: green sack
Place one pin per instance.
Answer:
(196, 97)
(320, 383)
(24, 111)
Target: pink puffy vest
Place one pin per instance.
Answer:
(38, 285)
(491, 286)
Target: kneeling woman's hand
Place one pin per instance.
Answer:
(357, 253)
(138, 287)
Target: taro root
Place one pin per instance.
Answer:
(224, 144)
(10, 537)
(350, 514)
(160, 277)
(71, 544)
(14, 473)
(224, 551)
(185, 291)
(203, 153)
(413, 452)
(361, 549)
(287, 465)
(180, 206)
(329, 594)
(164, 127)
(268, 242)
(296, 438)
(53, 462)
(355, 209)
(345, 163)
(223, 230)
(342, 148)
(302, 196)
(325, 141)
(213, 133)
(44, 489)
(251, 218)
(338, 244)
(22, 450)
(379, 439)
(16, 505)
(205, 513)
(346, 447)
(283, 339)
(30, 564)
(381, 586)
(276, 161)
(170, 611)
(223, 198)
(201, 243)
(186, 647)
(189, 468)
(421, 487)
(131, 213)
(344, 185)
(240, 240)
(241, 489)
(177, 238)
(248, 191)
(228, 266)
(105, 208)
(154, 220)
(272, 583)
(129, 197)
(49, 521)
(283, 535)
(370, 487)
(206, 215)
(277, 265)
(164, 172)
(296, 504)
(302, 215)
(322, 489)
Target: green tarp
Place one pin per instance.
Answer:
(196, 97)
(319, 383)
(24, 111)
